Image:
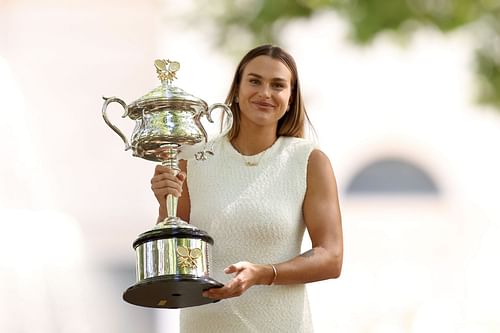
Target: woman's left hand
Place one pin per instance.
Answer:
(246, 275)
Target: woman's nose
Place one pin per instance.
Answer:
(265, 90)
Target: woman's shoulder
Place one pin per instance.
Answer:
(317, 158)
(298, 141)
(299, 144)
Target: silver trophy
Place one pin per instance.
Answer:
(173, 259)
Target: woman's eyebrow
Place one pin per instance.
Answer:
(260, 77)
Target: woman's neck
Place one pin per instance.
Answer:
(253, 142)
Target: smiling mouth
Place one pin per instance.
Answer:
(263, 105)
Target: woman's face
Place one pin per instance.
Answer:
(264, 91)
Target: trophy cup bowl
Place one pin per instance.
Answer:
(173, 259)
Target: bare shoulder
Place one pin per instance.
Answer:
(318, 161)
(320, 174)
(318, 156)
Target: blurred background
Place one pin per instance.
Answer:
(405, 100)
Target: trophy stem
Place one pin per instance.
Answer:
(171, 161)
(171, 206)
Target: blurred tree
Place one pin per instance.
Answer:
(258, 21)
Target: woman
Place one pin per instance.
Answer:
(255, 197)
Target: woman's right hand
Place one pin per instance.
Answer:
(165, 182)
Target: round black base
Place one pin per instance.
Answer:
(170, 292)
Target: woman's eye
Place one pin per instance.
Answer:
(254, 81)
(278, 86)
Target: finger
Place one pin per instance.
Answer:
(161, 177)
(216, 293)
(223, 292)
(234, 286)
(166, 182)
(165, 178)
(181, 176)
(230, 269)
(162, 193)
(165, 190)
(159, 169)
(167, 185)
(231, 289)
(234, 268)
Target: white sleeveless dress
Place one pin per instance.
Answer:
(253, 213)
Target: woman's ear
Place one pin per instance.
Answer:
(236, 93)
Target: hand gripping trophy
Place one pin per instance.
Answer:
(173, 259)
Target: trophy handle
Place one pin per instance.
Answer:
(202, 155)
(228, 112)
(107, 101)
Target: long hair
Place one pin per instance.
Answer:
(293, 122)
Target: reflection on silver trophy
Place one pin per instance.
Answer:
(173, 259)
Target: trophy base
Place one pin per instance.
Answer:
(170, 292)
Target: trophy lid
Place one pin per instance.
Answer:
(166, 94)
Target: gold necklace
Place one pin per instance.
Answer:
(250, 162)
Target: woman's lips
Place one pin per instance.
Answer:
(263, 104)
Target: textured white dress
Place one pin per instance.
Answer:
(254, 213)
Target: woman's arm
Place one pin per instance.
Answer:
(323, 221)
(164, 183)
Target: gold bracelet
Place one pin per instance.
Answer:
(275, 271)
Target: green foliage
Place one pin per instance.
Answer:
(248, 22)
